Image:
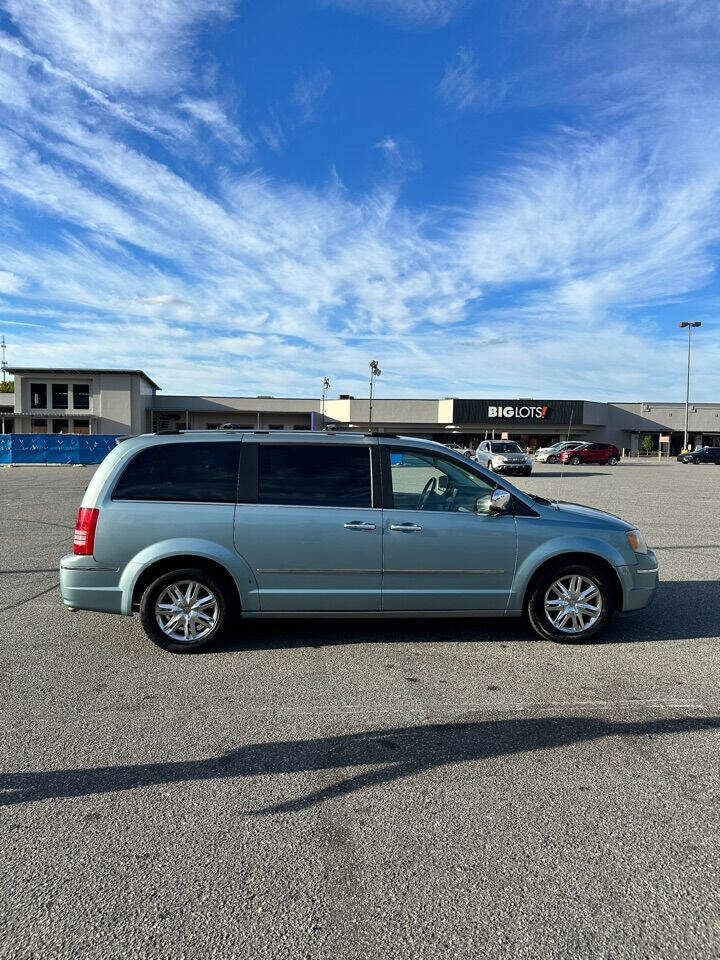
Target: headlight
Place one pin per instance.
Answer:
(637, 541)
(499, 460)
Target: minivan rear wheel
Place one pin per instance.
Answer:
(183, 610)
(570, 603)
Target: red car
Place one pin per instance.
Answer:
(591, 453)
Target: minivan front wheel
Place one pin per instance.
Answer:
(183, 610)
(570, 603)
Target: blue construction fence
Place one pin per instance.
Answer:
(54, 447)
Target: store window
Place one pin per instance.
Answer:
(61, 426)
(60, 396)
(39, 426)
(81, 426)
(81, 396)
(38, 396)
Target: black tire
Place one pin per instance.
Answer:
(696, 460)
(551, 459)
(152, 593)
(575, 461)
(613, 461)
(490, 467)
(538, 617)
(526, 473)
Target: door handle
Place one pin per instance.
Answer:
(359, 525)
(406, 527)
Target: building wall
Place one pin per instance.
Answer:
(126, 403)
(26, 414)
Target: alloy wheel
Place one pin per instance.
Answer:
(187, 611)
(573, 604)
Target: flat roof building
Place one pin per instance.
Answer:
(106, 401)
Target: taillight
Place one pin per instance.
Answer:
(84, 539)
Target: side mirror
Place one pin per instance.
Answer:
(500, 501)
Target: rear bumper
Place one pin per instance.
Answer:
(88, 585)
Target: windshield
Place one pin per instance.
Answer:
(505, 447)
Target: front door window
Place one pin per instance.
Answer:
(427, 482)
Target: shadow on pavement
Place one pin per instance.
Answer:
(683, 610)
(394, 754)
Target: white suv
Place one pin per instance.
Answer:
(503, 456)
(551, 454)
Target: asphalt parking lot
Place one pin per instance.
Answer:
(364, 789)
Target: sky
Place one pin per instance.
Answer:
(498, 198)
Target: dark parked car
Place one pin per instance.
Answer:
(701, 455)
(591, 453)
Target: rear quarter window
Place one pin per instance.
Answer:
(195, 472)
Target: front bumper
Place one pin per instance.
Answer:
(640, 583)
(86, 584)
(511, 467)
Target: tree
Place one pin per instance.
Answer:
(7, 387)
(647, 443)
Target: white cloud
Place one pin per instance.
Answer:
(212, 115)
(309, 91)
(416, 12)
(123, 44)
(10, 282)
(461, 87)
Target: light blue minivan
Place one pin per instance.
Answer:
(196, 530)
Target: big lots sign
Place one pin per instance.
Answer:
(518, 411)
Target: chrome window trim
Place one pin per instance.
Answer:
(205, 503)
(291, 506)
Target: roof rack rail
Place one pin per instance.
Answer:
(172, 432)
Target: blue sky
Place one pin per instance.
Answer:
(499, 197)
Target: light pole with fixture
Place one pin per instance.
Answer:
(325, 388)
(375, 371)
(689, 324)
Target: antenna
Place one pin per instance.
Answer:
(3, 365)
(567, 439)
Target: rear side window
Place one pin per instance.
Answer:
(305, 475)
(182, 471)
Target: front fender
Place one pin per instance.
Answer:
(540, 553)
(235, 565)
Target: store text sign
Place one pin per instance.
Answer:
(517, 413)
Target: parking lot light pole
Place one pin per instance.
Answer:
(325, 388)
(375, 371)
(689, 325)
